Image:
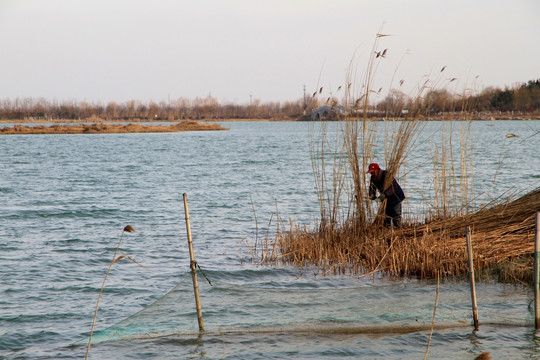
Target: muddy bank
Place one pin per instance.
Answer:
(102, 128)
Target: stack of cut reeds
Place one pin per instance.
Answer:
(501, 233)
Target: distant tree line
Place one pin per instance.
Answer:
(523, 98)
(199, 108)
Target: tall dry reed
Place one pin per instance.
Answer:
(114, 260)
(349, 237)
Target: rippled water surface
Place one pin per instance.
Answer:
(66, 198)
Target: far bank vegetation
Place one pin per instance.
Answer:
(519, 101)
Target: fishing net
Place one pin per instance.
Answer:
(321, 306)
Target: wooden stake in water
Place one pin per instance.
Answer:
(537, 273)
(193, 266)
(471, 273)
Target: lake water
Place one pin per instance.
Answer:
(65, 200)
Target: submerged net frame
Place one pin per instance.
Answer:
(292, 307)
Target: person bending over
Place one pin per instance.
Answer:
(393, 194)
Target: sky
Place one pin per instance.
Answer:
(239, 51)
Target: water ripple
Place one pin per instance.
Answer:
(66, 200)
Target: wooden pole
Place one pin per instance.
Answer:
(537, 273)
(193, 266)
(471, 273)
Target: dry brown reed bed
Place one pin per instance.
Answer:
(350, 237)
(501, 234)
(108, 128)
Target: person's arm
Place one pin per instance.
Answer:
(391, 190)
(395, 191)
(372, 190)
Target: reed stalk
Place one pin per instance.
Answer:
(114, 260)
(433, 318)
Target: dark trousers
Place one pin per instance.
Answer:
(393, 215)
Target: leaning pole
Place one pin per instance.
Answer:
(470, 256)
(537, 273)
(193, 266)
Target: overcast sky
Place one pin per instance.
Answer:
(238, 50)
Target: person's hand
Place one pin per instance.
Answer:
(382, 197)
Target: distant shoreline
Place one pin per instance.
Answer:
(126, 121)
(477, 116)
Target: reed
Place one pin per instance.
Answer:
(503, 233)
(349, 238)
(433, 318)
(347, 215)
(115, 259)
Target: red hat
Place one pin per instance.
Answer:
(373, 167)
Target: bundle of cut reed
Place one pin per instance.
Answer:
(501, 233)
